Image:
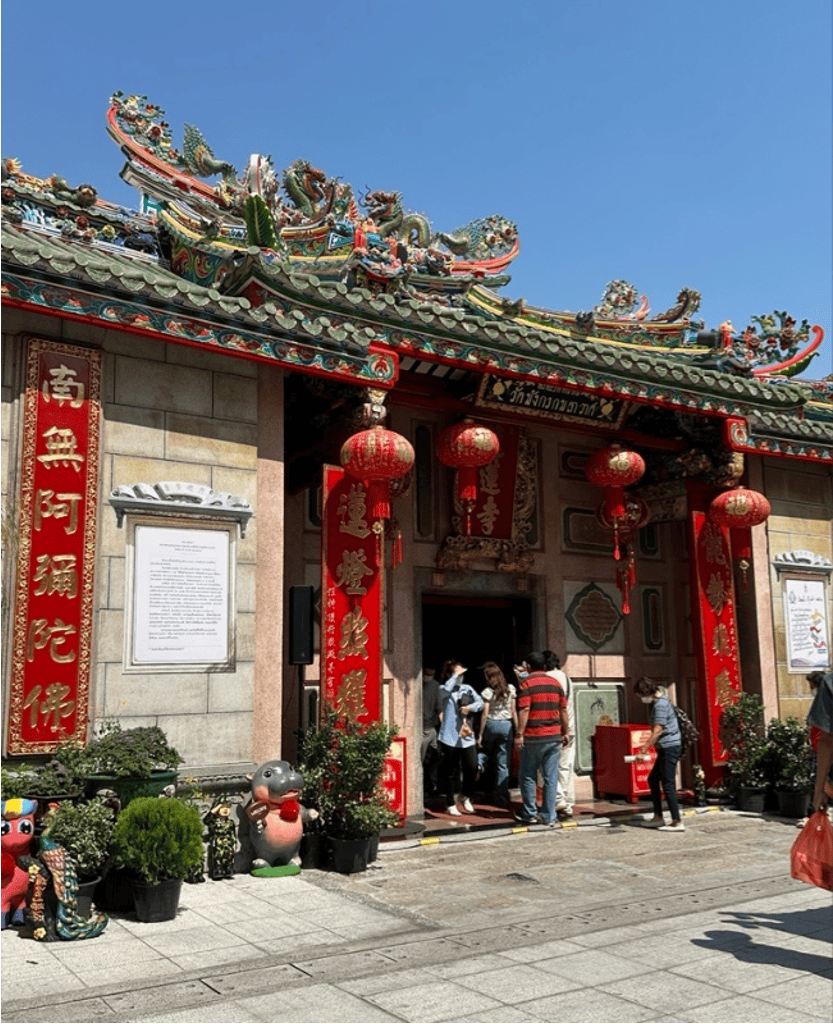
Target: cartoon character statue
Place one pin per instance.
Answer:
(276, 817)
(222, 833)
(18, 839)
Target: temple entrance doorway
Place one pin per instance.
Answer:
(476, 630)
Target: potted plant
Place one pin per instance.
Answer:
(48, 782)
(743, 737)
(791, 764)
(342, 763)
(132, 762)
(84, 830)
(160, 842)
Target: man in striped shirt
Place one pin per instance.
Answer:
(543, 727)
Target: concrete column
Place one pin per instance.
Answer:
(269, 586)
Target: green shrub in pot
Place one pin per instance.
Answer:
(158, 839)
(84, 830)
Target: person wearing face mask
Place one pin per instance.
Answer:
(666, 739)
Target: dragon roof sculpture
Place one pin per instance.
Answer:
(294, 267)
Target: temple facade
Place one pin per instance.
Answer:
(262, 381)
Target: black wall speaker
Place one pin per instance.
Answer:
(300, 625)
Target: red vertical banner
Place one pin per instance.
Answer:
(493, 514)
(395, 777)
(50, 682)
(352, 588)
(716, 640)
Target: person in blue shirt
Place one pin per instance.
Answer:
(666, 739)
(457, 740)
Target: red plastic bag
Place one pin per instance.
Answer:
(811, 856)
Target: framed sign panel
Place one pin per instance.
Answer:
(181, 598)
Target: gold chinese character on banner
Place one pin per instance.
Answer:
(42, 633)
(723, 689)
(488, 516)
(352, 508)
(56, 575)
(65, 506)
(720, 640)
(351, 570)
(353, 635)
(489, 475)
(351, 693)
(63, 387)
(714, 544)
(61, 444)
(53, 705)
(717, 592)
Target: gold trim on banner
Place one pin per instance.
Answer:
(36, 347)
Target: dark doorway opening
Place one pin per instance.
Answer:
(476, 630)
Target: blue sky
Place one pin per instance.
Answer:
(669, 143)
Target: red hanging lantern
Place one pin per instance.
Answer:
(377, 457)
(614, 468)
(740, 509)
(637, 515)
(466, 447)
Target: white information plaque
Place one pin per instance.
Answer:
(805, 614)
(182, 597)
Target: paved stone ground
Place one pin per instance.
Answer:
(601, 923)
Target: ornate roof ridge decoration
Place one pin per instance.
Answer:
(806, 560)
(175, 497)
(317, 219)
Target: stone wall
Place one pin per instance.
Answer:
(801, 495)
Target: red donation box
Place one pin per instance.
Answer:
(394, 777)
(613, 775)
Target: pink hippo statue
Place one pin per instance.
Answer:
(18, 840)
(276, 816)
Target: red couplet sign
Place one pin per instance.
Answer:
(395, 777)
(49, 693)
(351, 600)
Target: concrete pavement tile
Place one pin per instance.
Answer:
(63, 1013)
(543, 950)
(193, 940)
(217, 958)
(503, 1015)
(343, 965)
(588, 1005)
(159, 998)
(245, 908)
(242, 984)
(590, 967)
(735, 975)
(662, 991)
(428, 951)
(223, 1013)
(266, 927)
(290, 947)
(375, 983)
(610, 936)
(79, 955)
(452, 970)
(143, 972)
(515, 984)
(314, 1004)
(660, 951)
(437, 1001)
(808, 994)
(748, 1010)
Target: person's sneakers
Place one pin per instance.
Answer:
(563, 814)
(466, 804)
(453, 810)
(676, 826)
(525, 819)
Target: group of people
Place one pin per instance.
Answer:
(533, 718)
